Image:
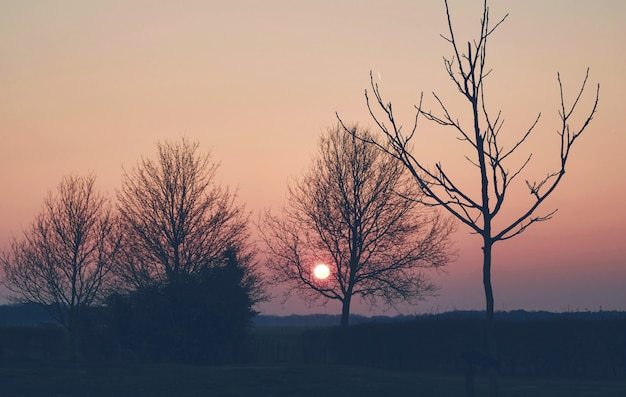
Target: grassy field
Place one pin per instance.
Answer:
(272, 380)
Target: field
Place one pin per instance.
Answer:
(272, 380)
(567, 356)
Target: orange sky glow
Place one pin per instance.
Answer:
(92, 86)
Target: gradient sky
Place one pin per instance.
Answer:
(92, 86)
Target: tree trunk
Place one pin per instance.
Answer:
(489, 317)
(345, 311)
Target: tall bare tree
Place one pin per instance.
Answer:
(63, 260)
(355, 210)
(487, 154)
(176, 219)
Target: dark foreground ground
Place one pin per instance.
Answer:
(275, 381)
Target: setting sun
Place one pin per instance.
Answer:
(92, 89)
(321, 271)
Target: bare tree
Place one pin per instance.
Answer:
(496, 175)
(63, 259)
(176, 219)
(354, 211)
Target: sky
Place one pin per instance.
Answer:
(93, 86)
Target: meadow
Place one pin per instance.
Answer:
(273, 380)
(556, 356)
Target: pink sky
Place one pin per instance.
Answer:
(92, 86)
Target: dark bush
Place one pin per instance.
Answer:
(419, 344)
(198, 319)
(30, 344)
(556, 347)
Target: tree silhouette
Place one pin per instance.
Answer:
(188, 274)
(176, 219)
(488, 155)
(354, 210)
(63, 260)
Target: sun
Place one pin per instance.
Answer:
(321, 271)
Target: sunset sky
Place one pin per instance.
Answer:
(92, 86)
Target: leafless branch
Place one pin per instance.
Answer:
(352, 211)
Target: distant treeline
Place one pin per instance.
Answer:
(33, 314)
(25, 314)
(330, 320)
